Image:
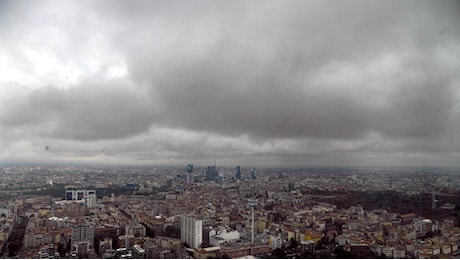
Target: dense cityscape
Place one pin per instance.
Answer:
(222, 212)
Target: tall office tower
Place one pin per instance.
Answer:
(253, 174)
(189, 168)
(189, 178)
(191, 231)
(211, 173)
(238, 173)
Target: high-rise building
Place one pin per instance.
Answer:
(191, 231)
(253, 174)
(82, 233)
(189, 176)
(189, 168)
(238, 173)
(82, 239)
(211, 173)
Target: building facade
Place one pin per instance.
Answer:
(82, 233)
(238, 173)
(191, 231)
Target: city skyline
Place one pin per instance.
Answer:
(316, 83)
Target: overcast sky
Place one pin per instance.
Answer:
(279, 83)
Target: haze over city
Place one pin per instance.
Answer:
(291, 83)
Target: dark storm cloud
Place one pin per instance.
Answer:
(292, 82)
(254, 76)
(94, 110)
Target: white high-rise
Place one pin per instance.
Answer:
(82, 233)
(191, 231)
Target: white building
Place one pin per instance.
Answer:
(424, 226)
(275, 242)
(82, 233)
(78, 194)
(88, 195)
(138, 252)
(5, 211)
(221, 235)
(91, 201)
(191, 231)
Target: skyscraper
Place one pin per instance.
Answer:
(238, 173)
(211, 173)
(189, 177)
(189, 168)
(253, 174)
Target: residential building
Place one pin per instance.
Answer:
(191, 231)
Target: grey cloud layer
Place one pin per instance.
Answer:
(331, 81)
(255, 76)
(94, 110)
